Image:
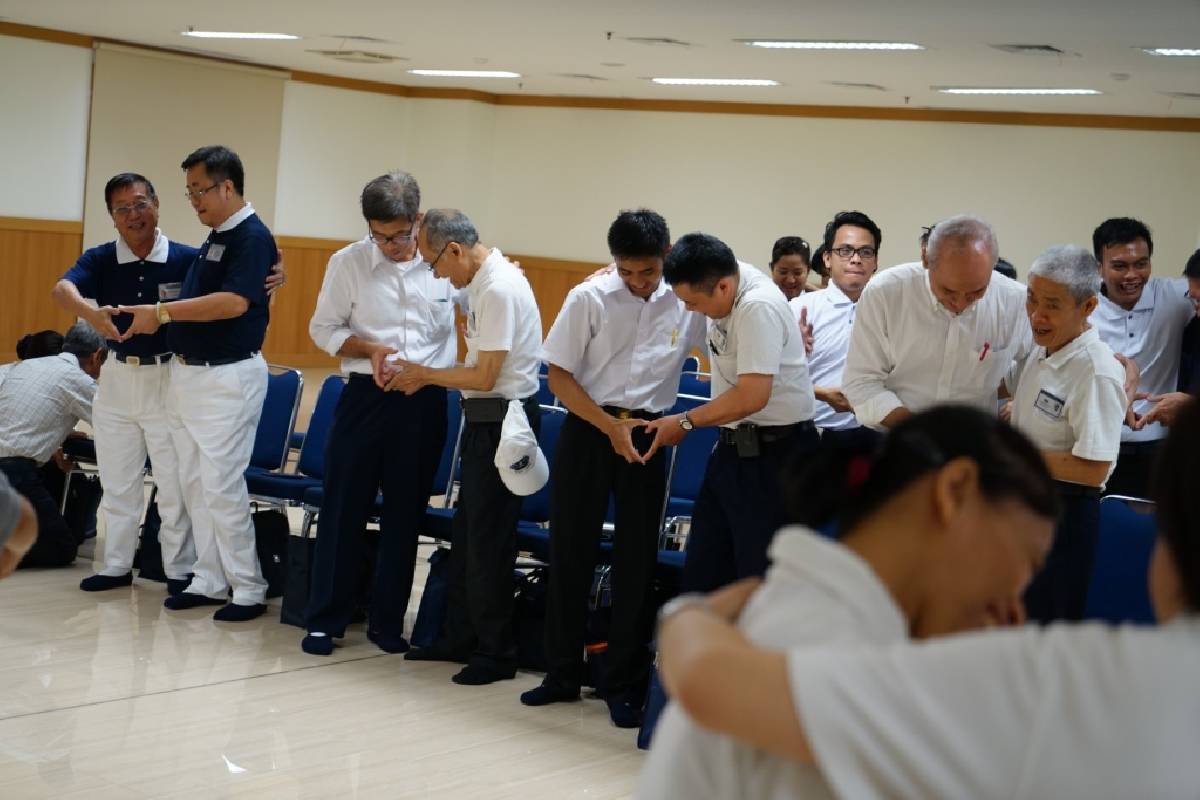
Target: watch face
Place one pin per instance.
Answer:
(685, 423)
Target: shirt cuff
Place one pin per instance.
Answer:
(335, 342)
(873, 411)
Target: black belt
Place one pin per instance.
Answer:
(141, 361)
(17, 460)
(489, 409)
(766, 433)
(630, 413)
(188, 361)
(1140, 448)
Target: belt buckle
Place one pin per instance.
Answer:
(133, 360)
(625, 413)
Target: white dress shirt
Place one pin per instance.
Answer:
(1152, 335)
(622, 350)
(1071, 401)
(504, 317)
(831, 314)
(907, 349)
(401, 305)
(816, 594)
(1065, 712)
(760, 337)
(41, 401)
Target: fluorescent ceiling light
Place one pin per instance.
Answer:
(464, 73)
(786, 44)
(237, 35)
(713, 82)
(980, 90)
(1173, 51)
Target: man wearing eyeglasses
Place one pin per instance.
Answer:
(378, 301)
(218, 382)
(129, 416)
(944, 332)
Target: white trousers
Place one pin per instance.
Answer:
(129, 417)
(214, 413)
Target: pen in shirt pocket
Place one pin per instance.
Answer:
(986, 346)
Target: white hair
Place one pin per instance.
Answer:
(961, 232)
(1072, 266)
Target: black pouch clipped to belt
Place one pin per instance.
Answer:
(745, 439)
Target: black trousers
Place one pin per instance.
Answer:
(1131, 476)
(483, 552)
(738, 511)
(56, 544)
(861, 438)
(1059, 591)
(380, 441)
(586, 471)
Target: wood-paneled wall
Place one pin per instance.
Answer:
(34, 254)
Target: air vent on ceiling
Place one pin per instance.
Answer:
(1035, 50)
(657, 41)
(874, 87)
(358, 56)
(1183, 95)
(580, 76)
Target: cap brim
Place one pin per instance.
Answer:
(529, 480)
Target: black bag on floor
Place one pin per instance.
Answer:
(148, 559)
(431, 613)
(299, 575)
(529, 619)
(83, 501)
(271, 531)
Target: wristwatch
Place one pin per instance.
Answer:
(686, 423)
(160, 311)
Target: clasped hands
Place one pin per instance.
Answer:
(397, 375)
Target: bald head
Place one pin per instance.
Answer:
(960, 256)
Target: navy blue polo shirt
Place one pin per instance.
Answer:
(237, 260)
(113, 276)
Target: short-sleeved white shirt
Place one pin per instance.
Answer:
(1073, 400)
(907, 349)
(1152, 335)
(817, 593)
(831, 314)
(1064, 712)
(504, 316)
(760, 336)
(623, 350)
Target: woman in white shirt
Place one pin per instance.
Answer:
(942, 529)
(1067, 711)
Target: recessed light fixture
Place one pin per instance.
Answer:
(237, 35)
(792, 44)
(1011, 91)
(464, 73)
(713, 82)
(1172, 51)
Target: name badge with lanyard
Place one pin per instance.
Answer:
(215, 251)
(1049, 404)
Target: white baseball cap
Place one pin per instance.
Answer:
(521, 463)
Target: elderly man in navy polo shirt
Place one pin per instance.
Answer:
(218, 382)
(129, 413)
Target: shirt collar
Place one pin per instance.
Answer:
(237, 218)
(836, 296)
(1144, 303)
(158, 253)
(378, 259)
(485, 270)
(1064, 354)
(612, 284)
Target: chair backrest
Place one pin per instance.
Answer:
(1119, 589)
(444, 477)
(698, 384)
(312, 453)
(689, 461)
(545, 397)
(691, 364)
(536, 507)
(278, 419)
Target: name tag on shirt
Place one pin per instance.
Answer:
(717, 339)
(1049, 404)
(215, 251)
(471, 324)
(169, 291)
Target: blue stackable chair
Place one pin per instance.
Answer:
(533, 533)
(688, 462)
(695, 384)
(439, 519)
(1119, 589)
(278, 419)
(691, 364)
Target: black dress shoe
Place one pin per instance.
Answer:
(479, 675)
(177, 586)
(317, 645)
(550, 692)
(237, 612)
(185, 600)
(102, 583)
(388, 643)
(624, 714)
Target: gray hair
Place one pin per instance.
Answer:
(392, 196)
(1073, 267)
(961, 232)
(443, 225)
(82, 340)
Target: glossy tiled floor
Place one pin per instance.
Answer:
(110, 695)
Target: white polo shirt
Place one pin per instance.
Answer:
(1073, 400)
(504, 316)
(623, 350)
(817, 593)
(831, 314)
(907, 349)
(1152, 335)
(401, 305)
(1064, 712)
(760, 336)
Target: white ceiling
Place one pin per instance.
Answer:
(542, 39)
